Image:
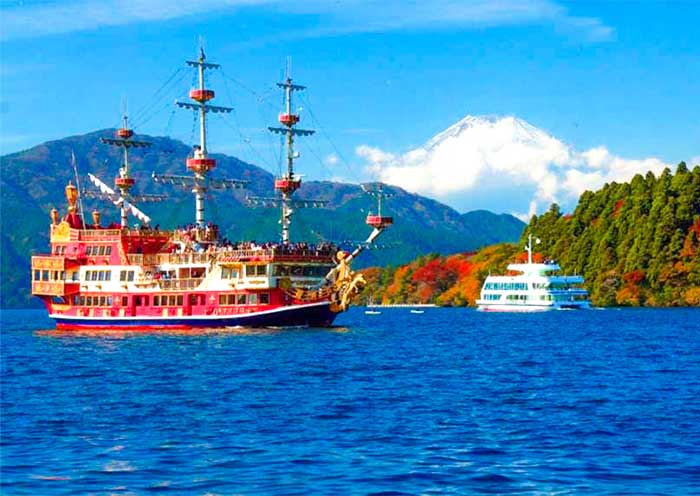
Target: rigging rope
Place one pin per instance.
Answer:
(305, 100)
(155, 100)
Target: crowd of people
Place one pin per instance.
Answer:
(193, 239)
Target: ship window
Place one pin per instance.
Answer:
(88, 250)
(102, 300)
(101, 250)
(252, 299)
(264, 298)
(240, 299)
(179, 300)
(130, 276)
(281, 270)
(88, 301)
(44, 275)
(82, 301)
(156, 300)
(231, 299)
(37, 275)
(100, 275)
(222, 299)
(125, 301)
(109, 301)
(171, 300)
(108, 275)
(108, 250)
(122, 275)
(227, 273)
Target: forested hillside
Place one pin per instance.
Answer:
(636, 243)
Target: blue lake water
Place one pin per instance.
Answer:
(448, 402)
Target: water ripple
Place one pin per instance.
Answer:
(448, 402)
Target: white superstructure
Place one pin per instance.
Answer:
(536, 287)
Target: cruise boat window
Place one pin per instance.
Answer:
(108, 250)
(44, 275)
(240, 299)
(37, 275)
(171, 300)
(252, 299)
(264, 298)
(130, 276)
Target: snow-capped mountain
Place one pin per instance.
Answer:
(501, 163)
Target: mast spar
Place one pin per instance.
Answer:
(123, 182)
(288, 183)
(200, 164)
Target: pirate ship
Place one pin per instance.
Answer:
(106, 277)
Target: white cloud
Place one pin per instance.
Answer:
(331, 159)
(504, 164)
(334, 18)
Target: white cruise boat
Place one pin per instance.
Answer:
(536, 287)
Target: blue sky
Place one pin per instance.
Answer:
(624, 75)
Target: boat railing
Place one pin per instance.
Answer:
(224, 255)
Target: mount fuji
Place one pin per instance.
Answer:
(501, 163)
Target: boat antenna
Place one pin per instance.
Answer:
(74, 163)
(528, 247)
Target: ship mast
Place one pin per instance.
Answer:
(124, 182)
(200, 164)
(289, 182)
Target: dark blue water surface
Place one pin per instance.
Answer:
(450, 401)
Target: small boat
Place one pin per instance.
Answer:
(537, 287)
(372, 312)
(413, 310)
